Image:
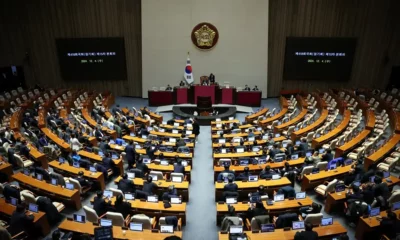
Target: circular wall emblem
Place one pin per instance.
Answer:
(205, 36)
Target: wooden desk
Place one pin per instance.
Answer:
(154, 209)
(294, 121)
(6, 168)
(370, 120)
(168, 169)
(333, 199)
(243, 127)
(324, 232)
(317, 142)
(303, 131)
(313, 180)
(382, 152)
(284, 108)
(183, 187)
(61, 143)
(142, 141)
(118, 233)
(171, 127)
(273, 210)
(244, 188)
(348, 146)
(38, 156)
(259, 142)
(39, 220)
(92, 156)
(66, 169)
(257, 168)
(167, 154)
(170, 135)
(213, 123)
(93, 123)
(228, 136)
(153, 115)
(367, 225)
(217, 156)
(254, 116)
(53, 192)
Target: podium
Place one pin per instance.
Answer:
(227, 95)
(204, 91)
(181, 95)
(160, 98)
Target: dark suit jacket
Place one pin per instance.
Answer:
(381, 189)
(149, 187)
(231, 187)
(327, 157)
(108, 163)
(24, 151)
(45, 174)
(130, 154)
(303, 146)
(306, 235)
(83, 182)
(100, 206)
(179, 168)
(98, 134)
(126, 185)
(104, 146)
(46, 205)
(20, 222)
(43, 142)
(124, 208)
(142, 166)
(196, 128)
(11, 192)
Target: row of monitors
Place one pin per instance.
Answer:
(131, 176)
(137, 227)
(130, 196)
(270, 227)
(277, 198)
(53, 181)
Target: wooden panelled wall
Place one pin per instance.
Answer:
(375, 23)
(33, 26)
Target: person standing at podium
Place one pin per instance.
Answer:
(182, 83)
(169, 88)
(211, 78)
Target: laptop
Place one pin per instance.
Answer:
(75, 164)
(357, 183)
(332, 167)
(308, 154)
(166, 229)
(144, 136)
(300, 195)
(253, 178)
(386, 174)
(132, 134)
(278, 159)
(54, 181)
(161, 130)
(174, 131)
(129, 196)
(176, 124)
(231, 200)
(176, 179)
(108, 194)
(235, 229)
(61, 160)
(39, 176)
(297, 225)
(326, 221)
(284, 145)
(315, 170)
(79, 218)
(244, 162)
(33, 207)
(69, 186)
(396, 206)
(251, 139)
(221, 140)
(276, 176)
(240, 150)
(340, 188)
(294, 156)
(298, 142)
(269, 227)
(254, 199)
(374, 212)
(164, 162)
(172, 140)
(223, 150)
(176, 200)
(264, 137)
(154, 177)
(279, 197)
(146, 160)
(188, 132)
(26, 172)
(256, 148)
(371, 179)
(13, 201)
(152, 199)
(92, 169)
(277, 135)
(321, 150)
(105, 222)
(114, 156)
(137, 227)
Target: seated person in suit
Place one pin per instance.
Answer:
(244, 175)
(354, 194)
(314, 208)
(226, 170)
(255, 88)
(251, 134)
(231, 186)
(246, 88)
(212, 79)
(121, 206)
(380, 188)
(148, 186)
(327, 156)
(390, 225)
(267, 173)
(39, 170)
(142, 166)
(303, 146)
(107, 162)
(178, 167)
(21, 221)
(182, 84)
(168, 88)
(260, 192)
(11, 191)
(82, 181)
(172, 192)
(308, 234)
(24, 150)
(126, 185)
(100, 205)
(256, 209)
(103, 145)
(275, 150)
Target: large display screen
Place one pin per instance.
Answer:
(309, 58)
(92, 58)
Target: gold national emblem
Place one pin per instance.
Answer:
(205, 36)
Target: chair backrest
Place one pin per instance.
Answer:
(306, 170)
(116, 218)
(29, 198)
(310, 136)
(76, 184)
(116, 192)
(59, 177)
(14, 93)
(157, 173)
(314, 218)
(331, 186)
(395, 197)
(255, 221)
(322, 165)
(143, 219)
(91, 215)
(19, 161)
